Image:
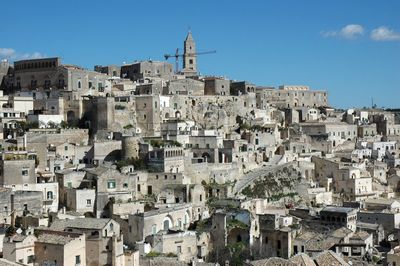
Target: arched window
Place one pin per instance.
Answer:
(79, 84)
(49, 194)
(166, 224)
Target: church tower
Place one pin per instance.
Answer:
(189, 56)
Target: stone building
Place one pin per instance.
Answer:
(149, 88)
(390, 220)
(342, 178)
(189, 56)
(104, 242)
(337, 133)
(339, 216)
(167, 159)
(4, 68)
(147, 69)
(17, 168)
(367, 131)
(148, 223)
(60, 248)
(25, 202)
(184, 87)
(20, 248)
(49, 73)
(5, 202)
(80, 200)
(241, 87)
(216, 86)
(182, 244)
(148, 114)
(293, 96)
(110, 183)
(386, 124)
(111, 70)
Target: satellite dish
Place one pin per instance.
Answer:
(9, 137)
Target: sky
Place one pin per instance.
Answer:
(351, 48)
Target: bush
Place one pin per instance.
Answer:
(152, 254)
(129, 126)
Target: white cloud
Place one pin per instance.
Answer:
(13, 55)
(6, 52)
(384, 34)
(351, 31)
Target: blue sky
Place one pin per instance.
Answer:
(350, 48)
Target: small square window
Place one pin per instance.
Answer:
(111, 184)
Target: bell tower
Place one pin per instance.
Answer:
(189, 56)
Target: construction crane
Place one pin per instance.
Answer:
(177, 55)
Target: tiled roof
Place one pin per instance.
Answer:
(337, 209)
(54, 239)
(330, 258)
(82, 223)
(341, 232)
(302, 259)
(381, 201)
(272, 261)
(360, 236)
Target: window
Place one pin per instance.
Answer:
(49, 195)
(69, 184)
(180, 223)
(24, 172)
(47, 83)
(88, 202)
(79, 84)
(66, 148)
(31, 259)
(138, 187)
(125, 185)
(78, 260)
(111, 184)
(154, 229)
(201, 197)
(178, 249)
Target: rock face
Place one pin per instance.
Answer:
(272, 183)
(211, 115)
